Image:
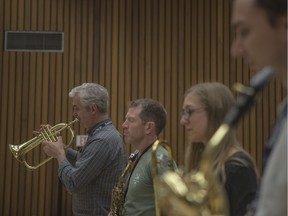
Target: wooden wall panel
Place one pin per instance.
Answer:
(135, 48)
(3, 109)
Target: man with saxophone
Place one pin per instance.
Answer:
(90, 175)
(261, 38)
(144, 121)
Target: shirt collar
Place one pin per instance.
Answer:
(98, 125)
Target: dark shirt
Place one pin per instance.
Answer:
(241, 183)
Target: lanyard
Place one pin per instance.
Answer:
(95, 130)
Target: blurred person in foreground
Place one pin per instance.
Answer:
(261, 39)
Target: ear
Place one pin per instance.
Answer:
(150, 127)
(94, 108)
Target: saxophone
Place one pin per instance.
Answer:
(198, 193)
(118, 193)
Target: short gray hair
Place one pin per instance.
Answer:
(90, 94)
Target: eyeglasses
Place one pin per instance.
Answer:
(186, 113)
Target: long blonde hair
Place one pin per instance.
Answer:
(217, 99)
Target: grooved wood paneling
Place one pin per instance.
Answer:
(135, 48)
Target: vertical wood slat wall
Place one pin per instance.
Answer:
(135, 48)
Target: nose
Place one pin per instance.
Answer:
(237, 49)
(183, 120)
(124, 125)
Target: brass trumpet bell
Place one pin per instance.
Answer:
(47, 134)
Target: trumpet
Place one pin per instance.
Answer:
(155, 173)
(47, 134)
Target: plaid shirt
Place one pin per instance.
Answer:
(91, 174)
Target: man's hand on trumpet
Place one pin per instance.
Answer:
(55, 149)
(52, 149)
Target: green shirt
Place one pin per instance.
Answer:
(140, 200)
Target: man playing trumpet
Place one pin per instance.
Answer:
(89, 175)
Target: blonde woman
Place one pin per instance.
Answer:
(204, 108)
